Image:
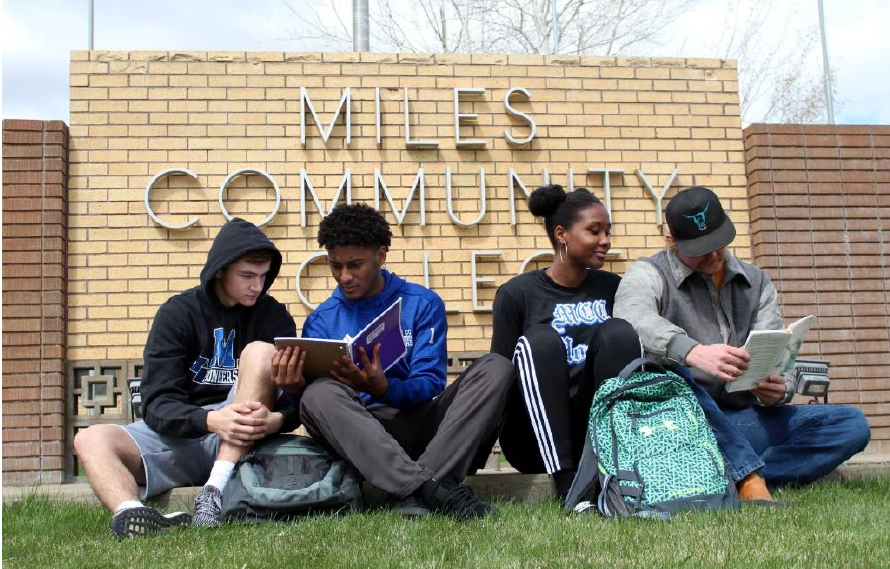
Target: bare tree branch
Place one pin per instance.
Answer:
(768, 70)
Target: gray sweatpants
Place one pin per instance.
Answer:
(396, 450)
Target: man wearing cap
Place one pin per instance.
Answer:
(693, 305)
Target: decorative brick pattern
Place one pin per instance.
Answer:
(98, 393)
(35, 170)
(134, 114)
(820, 226)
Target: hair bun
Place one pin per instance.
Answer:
(544, 201)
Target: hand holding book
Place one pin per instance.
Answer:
(719, 360)
(772, 352)
(384, 333)
(368, 378)
(287, 370)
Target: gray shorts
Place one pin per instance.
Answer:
(171, 462)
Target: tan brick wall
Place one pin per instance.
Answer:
(820, 222)
(35, 166)
(136, 114)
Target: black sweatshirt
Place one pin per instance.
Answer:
(534, 298)
(191, 356)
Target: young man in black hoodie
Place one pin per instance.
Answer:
(195, 426)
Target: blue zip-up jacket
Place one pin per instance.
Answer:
(420, 375)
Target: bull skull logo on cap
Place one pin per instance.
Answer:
(699, 218)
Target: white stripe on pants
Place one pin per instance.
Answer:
(528, 381)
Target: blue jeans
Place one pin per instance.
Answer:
(801, 443)
(793, 444)
(741, 458)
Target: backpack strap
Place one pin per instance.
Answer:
(638, 364)
(635, 492)
(586, 477)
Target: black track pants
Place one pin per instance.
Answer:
(546, 418)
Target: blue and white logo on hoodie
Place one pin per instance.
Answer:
(222, 368)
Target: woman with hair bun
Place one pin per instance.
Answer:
(557, 327)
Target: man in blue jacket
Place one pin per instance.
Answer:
(404, 434)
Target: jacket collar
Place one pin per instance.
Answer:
(681, 270)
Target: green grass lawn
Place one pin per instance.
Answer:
(837, 524)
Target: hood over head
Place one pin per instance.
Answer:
(236, 238)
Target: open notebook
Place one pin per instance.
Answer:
(321, 353)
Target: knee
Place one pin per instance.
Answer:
(499, 372)
(97, 438)
(256, 355)
(617, 329)
(857, 427)
(542, 337)
(322, 394)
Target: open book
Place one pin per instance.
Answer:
(321, 353)
(772, 351)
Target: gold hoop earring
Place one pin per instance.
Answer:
(561, 258)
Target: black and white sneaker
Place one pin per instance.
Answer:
(143, 521)
(208, 507)
(454, 500)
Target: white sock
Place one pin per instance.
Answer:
(128, 504)
(220, 474)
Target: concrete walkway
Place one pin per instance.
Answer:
(504, 484)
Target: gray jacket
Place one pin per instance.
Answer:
(674, 308)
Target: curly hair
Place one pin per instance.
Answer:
(558, 207)
(354, 224)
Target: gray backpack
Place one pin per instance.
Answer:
(287, 476)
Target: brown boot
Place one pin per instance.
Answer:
(752, 489)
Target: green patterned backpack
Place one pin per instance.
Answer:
(649, 450)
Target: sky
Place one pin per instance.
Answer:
(38, 35)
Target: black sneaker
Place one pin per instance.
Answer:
(411, 507)
(208, 507)
(143, 521)
(455, 500)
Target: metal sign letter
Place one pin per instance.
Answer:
(448, 198)
(474, 280)
(152, 214)
(379, 184)
(527, 118)
(414, 143)
(658, 198)
(472, 143)
(240, 171)
(305, 101)
(306, 184)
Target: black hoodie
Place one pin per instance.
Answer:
(191, 356)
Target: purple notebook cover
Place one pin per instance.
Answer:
(385, 330)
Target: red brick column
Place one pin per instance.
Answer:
(820, 227)
(35, 182)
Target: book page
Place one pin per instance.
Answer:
(772, 351)
(798, 330)
(766, 348)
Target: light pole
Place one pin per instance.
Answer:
(826, 71)
(91, 15)
(360, 25)
(554, 29)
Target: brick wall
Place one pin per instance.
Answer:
(134, 114)
(820, 226)
(35, 169)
